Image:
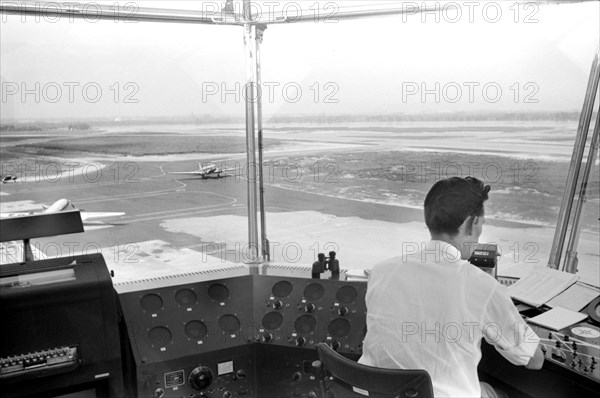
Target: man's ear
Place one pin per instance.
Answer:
(467, 225)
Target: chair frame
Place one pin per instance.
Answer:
(347, 376)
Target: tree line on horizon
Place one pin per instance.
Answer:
(42, 125)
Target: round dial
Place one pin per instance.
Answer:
(200, 378)
(593, 311)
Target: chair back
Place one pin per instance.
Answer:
(352, 379)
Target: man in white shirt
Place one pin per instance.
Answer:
(429, 308)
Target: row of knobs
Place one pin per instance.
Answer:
(308, 308)
(341, 311)
(300, 341)
(558, 355)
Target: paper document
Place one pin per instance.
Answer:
(541, 285)
(576, 297)
(558, 318)
(357, 273)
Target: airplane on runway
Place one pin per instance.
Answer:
(210, 171)
(8, 178)
(11, 251)
(62, 205)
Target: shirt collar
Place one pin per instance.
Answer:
(447, 252)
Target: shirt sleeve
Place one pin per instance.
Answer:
(506, 330)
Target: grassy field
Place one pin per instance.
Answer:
(38, 157)
(137, 145)
(522, 190)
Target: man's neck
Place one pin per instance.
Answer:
(451, 240)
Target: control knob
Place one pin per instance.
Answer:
(277, 304)
(200, 378)
(309, 307)
(240, 374)
(300, 341)
(558, 355)
(342, 311)
(267, 337)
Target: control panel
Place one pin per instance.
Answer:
(304, 312)
(183, 339)
(577, 349)
(286, 372)
(220, 374)
(570, 366)
(221, 337)
(176, 321)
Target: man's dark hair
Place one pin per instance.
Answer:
(450, 201)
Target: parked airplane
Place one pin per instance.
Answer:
(65, 204)
(8, 178)
(210, 171)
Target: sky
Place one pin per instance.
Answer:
(468, 57)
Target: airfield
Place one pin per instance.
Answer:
(355, 190)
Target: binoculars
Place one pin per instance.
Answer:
(326, 264)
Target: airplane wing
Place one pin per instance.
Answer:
(191, 173)
(88, 215)
(17, 214)
(202, 171)
(85, 215)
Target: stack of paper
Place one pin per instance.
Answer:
(576, 297)
(541, 285)
(558, 318)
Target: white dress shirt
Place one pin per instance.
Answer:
(430, 309)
